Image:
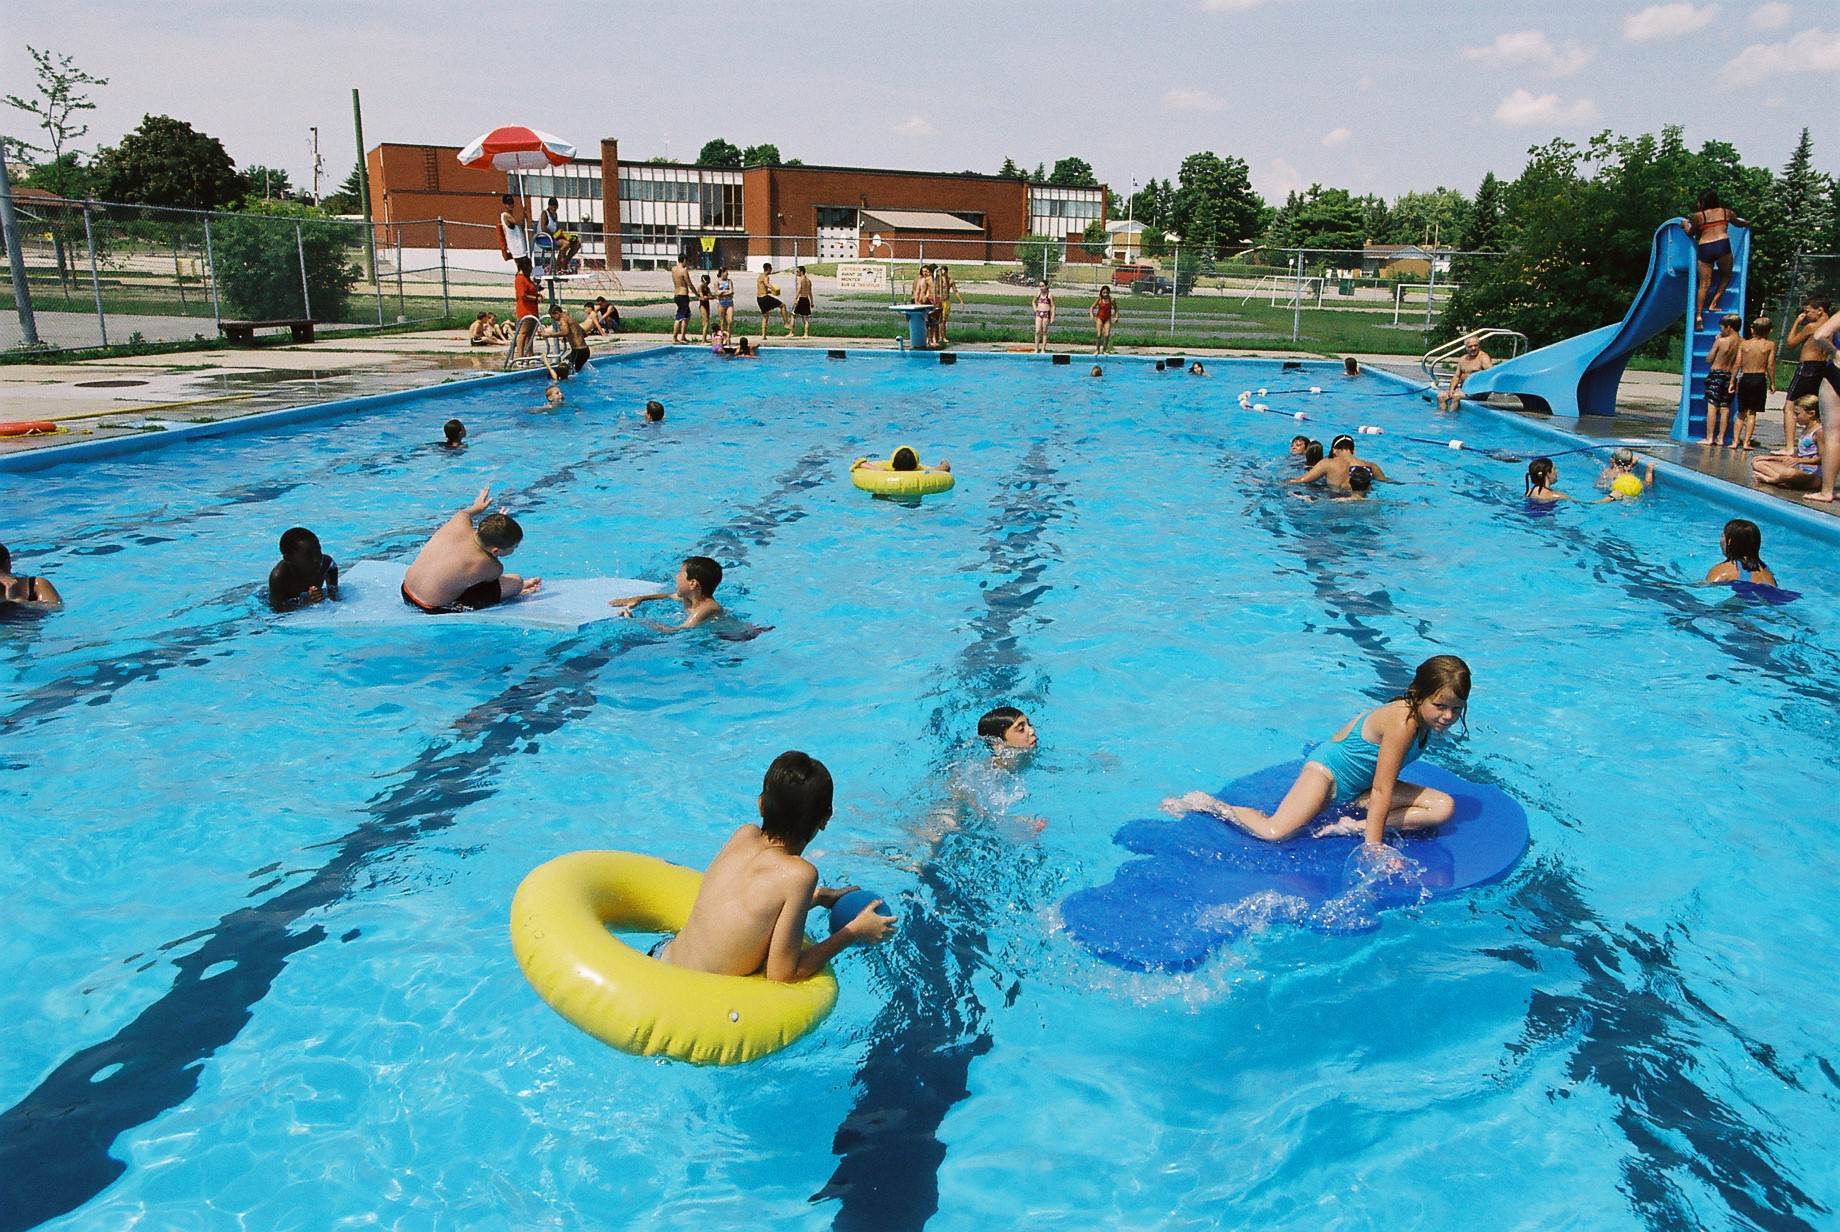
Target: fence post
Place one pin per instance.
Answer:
(210, 273)
(1175, 286)
(306, 301)
(178, 274)
(402, 306)
(1430, 292)
(440, 236)
(95, 279)
(16, 259)
(1297, 301)
(370, 240)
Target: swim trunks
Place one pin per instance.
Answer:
(474, 598)
(802, 308)
(579, 358)
(1718, 387)
(683, 306)
(658, 947)
(1753, 389)
(1712, 250)
(769, 302)
(1807, 378)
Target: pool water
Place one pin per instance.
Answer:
(255, 964)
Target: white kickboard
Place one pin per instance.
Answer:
(370, 593)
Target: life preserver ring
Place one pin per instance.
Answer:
(560, 918)
(883, 480)
(28, 427)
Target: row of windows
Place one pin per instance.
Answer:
(1060, 207)
(720, 203)
(563, 186)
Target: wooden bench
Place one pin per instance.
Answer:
(245, 331)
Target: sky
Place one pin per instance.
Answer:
(1376, 96)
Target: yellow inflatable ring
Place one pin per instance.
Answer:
(559, 921)
(882, 479)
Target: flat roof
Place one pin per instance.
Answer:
(920, 220)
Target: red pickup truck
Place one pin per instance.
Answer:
(1125, 275)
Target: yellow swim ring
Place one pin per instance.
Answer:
(1626, 485)
(560, 918)
(882, 479)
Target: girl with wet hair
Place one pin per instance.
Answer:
(1358, 769)
(1541, 475)
(1742, 544)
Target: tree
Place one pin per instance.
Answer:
(258, 263)
(1073, 172)
(1327, 218)
(717, 152)
(763, 155)
(60, 97)
(66, 176)
(1010, 170)
(266, 183)
(1040, 255)
(1438, 217)
(1095, 240)
(1039, 175)
(1214, 205)
(347, 199)
(168, 162)
(1483, 234)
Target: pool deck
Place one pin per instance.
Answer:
(103, 398)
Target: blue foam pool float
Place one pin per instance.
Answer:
(1200, 882)
(1775, 596)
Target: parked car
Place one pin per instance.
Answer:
(1156, 284)
(1129, 275)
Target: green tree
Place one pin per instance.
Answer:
(1328, 218)
(1483, 232)
(1437, 217)
(1095, 241)
(266, 183)
(1039, 175)
(1040, 255)
(346, 200)
(1010, 170)
(1155, 242)
(1073, 172)
(718, 152)
(67, 177)
(1213, 205)
(1376, 219)
(258, 261)
(168, 162)
(58, 101)
(763, 155)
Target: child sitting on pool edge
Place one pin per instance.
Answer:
(749, 914)
(1360, 766)
(697, 579)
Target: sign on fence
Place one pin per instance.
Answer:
(861, 276)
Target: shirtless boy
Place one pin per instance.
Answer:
(1810, 358)
(564, 326)
(1474, 360)
(697, 579)
(1756, 381)
(680, 295)
(1721, 374)
(766, 294)
(1333, 470)
(461, 569)
(749, 914)
(801, 300)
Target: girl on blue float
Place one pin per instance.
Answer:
(1360, 767)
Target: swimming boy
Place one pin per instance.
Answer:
(304, 574)
(1333, 470)
(461, 569)
(453, 433)
(1721, 374)
(654, 411)
(1474, 360)
(749, 914)
(697, 579)
(1006, 727)
(1756, 381)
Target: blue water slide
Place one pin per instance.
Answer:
(1580, 375)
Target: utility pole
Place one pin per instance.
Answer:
(364, 189)
(9, 226)
(319, 164)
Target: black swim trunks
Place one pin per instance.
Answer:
(769, 302)
(683, 306)
(579, 358)
(1807, 378)
(1753, 389)
(1718, 387)
(472, 599)
(801, 307)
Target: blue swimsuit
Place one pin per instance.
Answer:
(1353, 759)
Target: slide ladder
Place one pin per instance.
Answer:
(1690, 419)
(1441, 360)
(1580, 375)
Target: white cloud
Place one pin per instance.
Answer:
(1811, 51)
(1663, 21)
(1278, 180)
(1336, 136)
(915, 126)
(1533, 49)
(1772, 16)
(1524, 109)
(1191, 100)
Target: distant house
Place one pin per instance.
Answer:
(1124, 241)
(1401, 261)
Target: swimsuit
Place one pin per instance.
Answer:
(579, 357)
(1353, 759)
(1718, 387)
(474, 598)
(802, 307)
(725, 292)
(683, 306)
(1805, 448)
(1043, 306)
(768, 302)
(1102, 310)
(1753, 388)
(1712, 250)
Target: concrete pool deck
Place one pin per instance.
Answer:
(102, 398)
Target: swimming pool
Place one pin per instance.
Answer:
(256, 962)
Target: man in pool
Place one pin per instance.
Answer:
(461, 568)
(1474, 360)
(749, 914)
(697, 579)
(304, 574)
(1333, 470)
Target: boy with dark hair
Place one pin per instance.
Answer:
(304, 574)
(455, 433)
(1756, 381)
(563, 325)
(461, 568)
(697, 580)
(654, 411)
(749, 914)
(1333, 470)
(1007, 727)
(1721, 375)
(1810, 358)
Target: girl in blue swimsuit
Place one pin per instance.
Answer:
(1360, 767)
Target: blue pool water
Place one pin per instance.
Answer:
(255, 969)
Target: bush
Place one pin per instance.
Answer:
(1040, 255)
(258, 262)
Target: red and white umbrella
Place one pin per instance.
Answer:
(516, 148)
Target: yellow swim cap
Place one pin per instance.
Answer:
(1626, 485)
